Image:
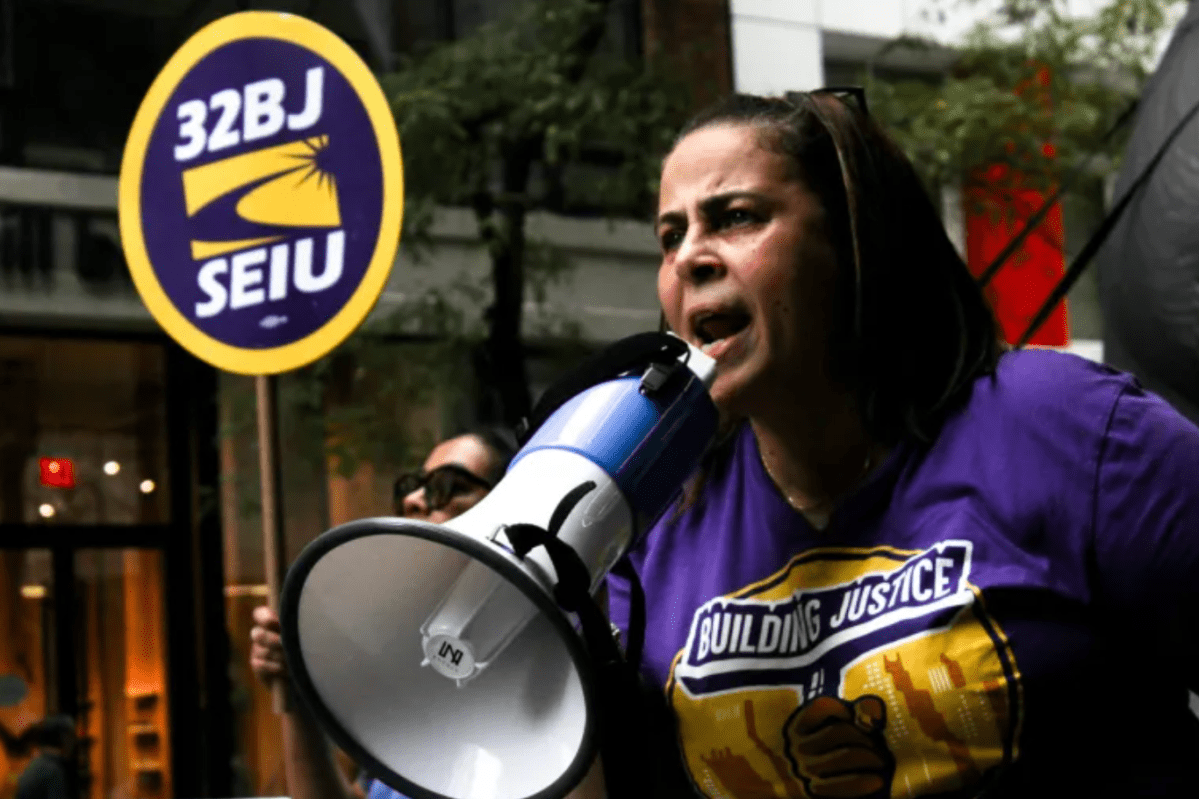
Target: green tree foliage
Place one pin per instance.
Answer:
(1034, 90)
(505, 121)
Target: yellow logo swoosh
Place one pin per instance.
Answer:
(299, 195)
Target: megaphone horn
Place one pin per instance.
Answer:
(459, 661)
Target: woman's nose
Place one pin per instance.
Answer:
(695, 263)
(701, 272)
(414, 505)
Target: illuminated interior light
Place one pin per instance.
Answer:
(111, 468)
(246, 590)
(33, 591)
(46, 510)
(147, 486)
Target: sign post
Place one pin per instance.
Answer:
(274, 557)
(261, 194)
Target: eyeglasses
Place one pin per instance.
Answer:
(855, 95)
(441, 485)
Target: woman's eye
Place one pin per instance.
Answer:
(738, 216)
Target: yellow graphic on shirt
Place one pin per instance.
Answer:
(850, 672)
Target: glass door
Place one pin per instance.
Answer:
(105, 455)
(83, 671)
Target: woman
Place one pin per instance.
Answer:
(915, 565)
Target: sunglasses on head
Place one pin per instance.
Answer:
(441, 485)
(850, 95)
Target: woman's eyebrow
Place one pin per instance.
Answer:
(709, 206)
(713, 205)
(672, 218)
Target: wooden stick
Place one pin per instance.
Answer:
(274, 557)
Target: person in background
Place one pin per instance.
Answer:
(457, 473)
(51, 774)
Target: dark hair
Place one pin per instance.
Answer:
(500, 442)
(912, 330)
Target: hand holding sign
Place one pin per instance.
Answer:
(261, 194)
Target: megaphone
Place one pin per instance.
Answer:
(466, 660)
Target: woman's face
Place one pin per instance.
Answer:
(747, 272)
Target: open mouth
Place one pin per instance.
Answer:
(716, 327)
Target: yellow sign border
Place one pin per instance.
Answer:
(305, 33)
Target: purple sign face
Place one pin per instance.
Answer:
(260, 194)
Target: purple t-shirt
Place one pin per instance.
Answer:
(1012, 606)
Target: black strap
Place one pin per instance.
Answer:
(1079, 169)
(1100, 235)
(615, 684)
(635, 634)
(525, 537)
(621, 731)
(633, 352)
(650, 725)
(572, 591)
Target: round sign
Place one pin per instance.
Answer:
(261, 193)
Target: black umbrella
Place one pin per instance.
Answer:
(1149, 266)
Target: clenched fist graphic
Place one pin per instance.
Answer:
(837, 748)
